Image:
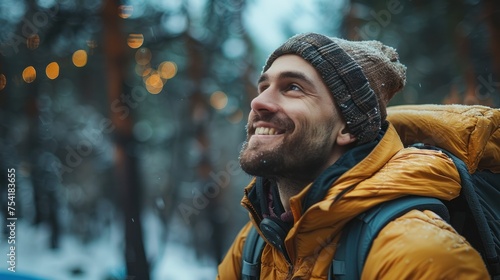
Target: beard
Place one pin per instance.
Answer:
(301, 156)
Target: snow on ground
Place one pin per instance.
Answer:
(102, 258)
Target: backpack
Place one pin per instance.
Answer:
(475, 213)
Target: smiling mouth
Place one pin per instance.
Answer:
(266, 131)
(269, 127)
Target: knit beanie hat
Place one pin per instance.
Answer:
(362, 77)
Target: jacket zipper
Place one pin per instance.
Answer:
(252, 211)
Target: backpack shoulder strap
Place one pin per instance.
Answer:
(481, 212)
(356, 239)
(359, 233)
(252, 251)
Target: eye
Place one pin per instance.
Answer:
(294, 87)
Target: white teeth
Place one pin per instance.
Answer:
(265, 131)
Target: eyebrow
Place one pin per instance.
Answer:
(288, 74)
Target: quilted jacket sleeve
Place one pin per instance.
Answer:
(420, 245)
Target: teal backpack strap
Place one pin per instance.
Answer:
(356, 239)
(359, 233)
(481, 192)
(252, 250)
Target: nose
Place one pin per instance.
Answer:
(265, 102)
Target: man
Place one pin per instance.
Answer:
(322, 152)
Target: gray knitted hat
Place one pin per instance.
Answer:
(362, 77)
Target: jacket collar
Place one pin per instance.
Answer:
(429, 173)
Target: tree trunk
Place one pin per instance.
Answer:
(127, 175)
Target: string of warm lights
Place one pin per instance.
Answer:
(154, 79)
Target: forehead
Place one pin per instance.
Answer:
(294, 63)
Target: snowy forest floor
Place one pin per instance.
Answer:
(102, 259)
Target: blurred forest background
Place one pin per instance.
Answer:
(124, 119)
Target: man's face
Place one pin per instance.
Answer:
(293, 124)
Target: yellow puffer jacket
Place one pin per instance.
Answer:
(418, 245)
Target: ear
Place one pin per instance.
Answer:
(344, 137)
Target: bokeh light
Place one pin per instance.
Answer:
(143, 70)
(218, 100)
(125, 11)
(154, 83)
(29, 74)
(167, 69)
(135, 40)
(143, 131)
(52, 70)
(143, 56)
(3, 81)
(33, 41)
(80, 58)
(234, 48)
